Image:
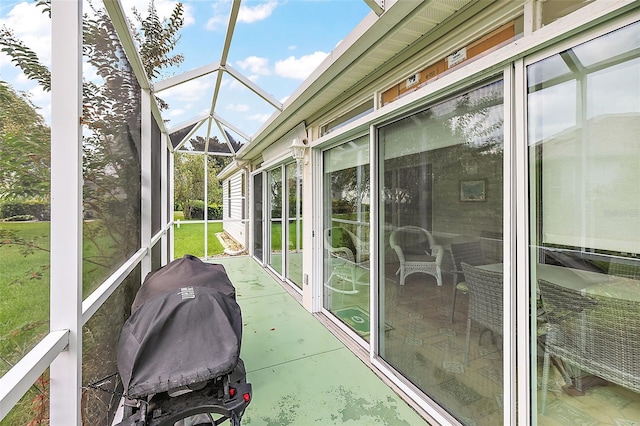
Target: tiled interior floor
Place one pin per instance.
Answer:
(425, 346)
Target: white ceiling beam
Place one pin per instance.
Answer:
(233, 17)
(376, 5)
(187, 76)
(231, 127)
(253, 87)
(225, 136)
(191, 122)
(121, 25)
(186, 138)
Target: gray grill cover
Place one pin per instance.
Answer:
(185, 327)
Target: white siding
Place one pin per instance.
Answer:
(234, 196)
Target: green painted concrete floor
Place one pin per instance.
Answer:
(301, 373)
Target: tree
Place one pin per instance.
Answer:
(189, 179)
(111, 163)
(24, 136)
(25, 156)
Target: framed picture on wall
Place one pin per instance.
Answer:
(472, 190)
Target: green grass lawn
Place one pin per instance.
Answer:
(24, 289)
(24, 302)
(24, 292)
(189, 239)
(24, 281)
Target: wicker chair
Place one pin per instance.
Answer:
(485, 301)
(417, 252)
(597, 334)
(627, 270)
(346, 266)
(470, 253)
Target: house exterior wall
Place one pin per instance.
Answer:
(501, 220)
(234, 207)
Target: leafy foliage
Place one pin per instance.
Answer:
(189, 180)
(25, 156)
(24, 58)
(111, 160)
(158, 38)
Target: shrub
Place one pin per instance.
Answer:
(214, 211)
(19, 218)
(37, 209)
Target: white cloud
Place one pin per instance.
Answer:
(218, 21)
(249, 14)
(43, 100)
(90, 73)
(246, 14)
(299, 68)
(36, 34)
(238, 107)
(255, 64)
(292, 47)
(22, 79)
(261, 118)
(164, 9)
(190, 91)
(176, 112)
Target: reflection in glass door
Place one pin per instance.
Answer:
(441, 286)
(346, 234)
(275, 237)
(293, 257)
(258, 217)
(584, 178)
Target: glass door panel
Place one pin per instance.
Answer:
(275, 188)
(346, 234)
(441, 220)
(584, 179)
(294, 223)
(258, 217)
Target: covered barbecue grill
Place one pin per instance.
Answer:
(178, 354)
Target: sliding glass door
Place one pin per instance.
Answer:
(258, 217)
(584, 182)
(440, 244)
(274, 197)
(346, 195)
(293, 257)
(284, 195)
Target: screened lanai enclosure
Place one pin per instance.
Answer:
(439, 224)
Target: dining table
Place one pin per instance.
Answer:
(587, 282)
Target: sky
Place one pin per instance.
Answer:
(276, 44)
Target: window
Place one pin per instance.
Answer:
(346, 233)
(441, 174)
(584, 180)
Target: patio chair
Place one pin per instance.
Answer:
(626, 270)
(491, 243)
(485, 302)
(468, 252)
(597, 334)
(348, 260)
(417, 252)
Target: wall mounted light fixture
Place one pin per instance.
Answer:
(298, 149)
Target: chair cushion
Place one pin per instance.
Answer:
(416, 249)
(423, 257)
(462, 286)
